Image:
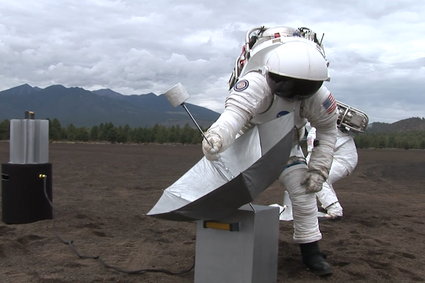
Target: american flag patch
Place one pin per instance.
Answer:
(329, 104)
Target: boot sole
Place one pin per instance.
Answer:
(322, 273)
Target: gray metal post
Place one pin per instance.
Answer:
(247, 254)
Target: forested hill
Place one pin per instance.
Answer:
(406, 125)
(407, 134)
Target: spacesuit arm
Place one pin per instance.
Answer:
(321, 112)
(249, 96)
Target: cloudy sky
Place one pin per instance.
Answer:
(376, 48)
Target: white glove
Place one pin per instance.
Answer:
(313, 182)
(211, 145)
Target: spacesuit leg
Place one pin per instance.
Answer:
(327, 196)
(344, 162)
(329, 201)
(304, 206)
(306, 226)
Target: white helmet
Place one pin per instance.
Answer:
(298, 58)
(296, 68)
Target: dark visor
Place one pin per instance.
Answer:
(292, 88)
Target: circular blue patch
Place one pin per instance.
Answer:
(241, 85)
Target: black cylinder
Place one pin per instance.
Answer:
(24, 189)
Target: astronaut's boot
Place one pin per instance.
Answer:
(314, 259)
(334, 211)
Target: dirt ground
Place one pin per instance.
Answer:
(101, 193)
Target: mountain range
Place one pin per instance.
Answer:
(82, 107)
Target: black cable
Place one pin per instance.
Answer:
(71, 245)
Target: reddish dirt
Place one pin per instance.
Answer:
(102, 192)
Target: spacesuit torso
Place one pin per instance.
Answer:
(252, 97)
(280, 107)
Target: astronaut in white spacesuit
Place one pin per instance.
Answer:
(344, 163)
(285, 73)
(350, 121)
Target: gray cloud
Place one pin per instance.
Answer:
(135, 47)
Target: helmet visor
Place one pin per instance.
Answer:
(292, 88)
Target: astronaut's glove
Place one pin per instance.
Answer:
(211, 145)
(313, 181)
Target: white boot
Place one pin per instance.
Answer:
(334, 210)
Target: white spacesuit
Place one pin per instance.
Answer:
(344, 163)
(285, 73)
(350, 121)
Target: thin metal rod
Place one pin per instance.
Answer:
(252, 207)
(194, 121)
(219, 159)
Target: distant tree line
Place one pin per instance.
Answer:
(108, 132)
(406, 140)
